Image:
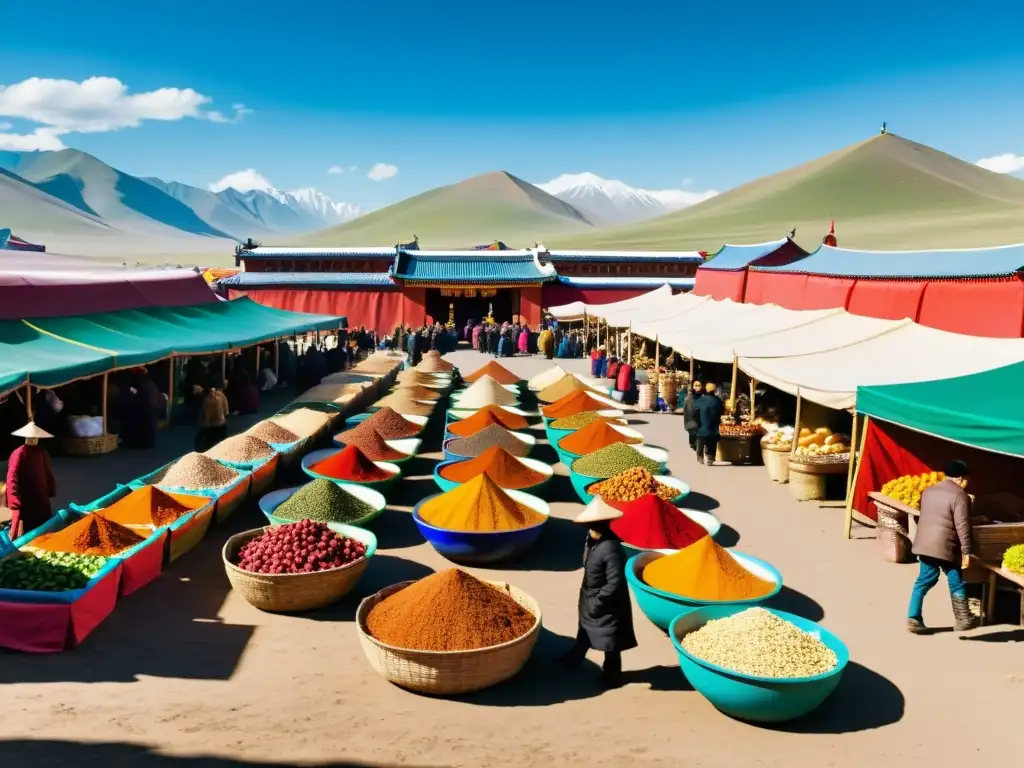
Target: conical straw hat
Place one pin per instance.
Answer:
(597, 511)
(31, 430)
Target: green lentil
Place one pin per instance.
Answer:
(613, 459)
(49, 571)
(578, 420)
(323, 502)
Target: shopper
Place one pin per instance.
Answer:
(708, 412)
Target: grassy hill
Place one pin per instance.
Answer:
(475, 211)
(886, 192)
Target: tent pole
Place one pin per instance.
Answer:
(732, 387)
(753, 398)
(28, 399)
(691, 372)
(277, 358)
(170, 389)
(853, 453)
(106, 382)
(224, 368)
(629, 344)
(657, 352)
(848, 522)
(796, 425)
(257, 359)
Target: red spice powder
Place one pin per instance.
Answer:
(573, 403)
(651, 522)
(371, 443)
(350, 464)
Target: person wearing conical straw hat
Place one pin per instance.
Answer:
(605, 610)
(30, 482)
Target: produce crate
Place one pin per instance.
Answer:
(739, 450)
(187, 531)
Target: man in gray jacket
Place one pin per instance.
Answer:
(943, 544)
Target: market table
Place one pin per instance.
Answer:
(897, 524)
(996, 572)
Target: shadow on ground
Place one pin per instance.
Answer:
(53, 754)
(559, 548)
(728, 536)
(797, 603)
(700, 501)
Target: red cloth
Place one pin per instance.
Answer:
(624, 378)
(890, 452)
(377, 310)
(975, 307)
(144, 566)
(30, 486)
(720, 283)
(887, 299)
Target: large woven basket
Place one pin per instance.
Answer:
(811, 482)
(288, 592)
(447, 673)
(88, 446)
(893, 535)
(776, 461)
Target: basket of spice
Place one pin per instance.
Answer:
(325, 502)
(297, 567)
(704, 573)
(593, 437)
(198, 474)
(610, 461)
(636, 482)
(739, 443)
(308, 425)
(516, 443)
(351, 465)
(758, 664)
(478, 522)
(448, 633)
(507, 471)
(251, 454)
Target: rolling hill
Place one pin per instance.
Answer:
(478, 210)
(886, 192)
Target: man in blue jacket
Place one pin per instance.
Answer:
(708, 414)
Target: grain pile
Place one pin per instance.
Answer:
(414, 376)
(196, 472)
(270, 432)
(757, 642)
(418, 392)
(485, 391)
(632, 485)
(323, 502)
(241, 449)
(612, 460)
(401, 401)
(371, 443)
(496, 371)
(583, 418)
(564, 386)
(432, 363)
(480, 441)
(546, 378)
(390, 424)
(304, 422)
(448, 611)
(332, 393)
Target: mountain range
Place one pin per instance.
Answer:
(886, 192)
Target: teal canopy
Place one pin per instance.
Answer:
(983, 410)
(49, 352)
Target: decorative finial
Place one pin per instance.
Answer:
(883, 128)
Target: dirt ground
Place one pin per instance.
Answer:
(186, 673)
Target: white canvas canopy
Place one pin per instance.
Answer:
(830, 332)
(906, 353)
(660, 309)
(575, 310)
(676, 331)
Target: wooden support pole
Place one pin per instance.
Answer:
(853, 453)
(657, 352)
(170, 388)
(224, 368)
(106, 383)
(629, 344)
(277, 358)
(28, 400)
(732, 387)
(753, 399)
(848, 522)
(257, 359)
(691, 372)
(796, 425)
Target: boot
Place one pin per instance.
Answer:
(915, 626)
(963, 619)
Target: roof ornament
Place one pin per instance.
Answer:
(883, 129)
(792, 233)
(830, 238)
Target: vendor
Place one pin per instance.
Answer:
(708, 412)
(943, 544)
(30, 482)
(690, 422)
(605, 610)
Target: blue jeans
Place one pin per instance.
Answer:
(928, 577)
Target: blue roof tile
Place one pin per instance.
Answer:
(354, 252)
(736, 257)
(1000, 261)
(244, 280)
(684, 283)
(680, 257)
(487, 267)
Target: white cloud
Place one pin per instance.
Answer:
(353, 168)
(382, 171)
(95, 105)
(1005, 163)
(244, 181)
(335, 170)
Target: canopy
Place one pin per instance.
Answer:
(830, 332)
(983, 410)
(659, 309)
(575, 310)
(27, 354)
(907, 353)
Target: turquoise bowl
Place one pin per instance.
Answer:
(270, 502)
(580, 483)
(661, 607)
(315, 457)
(537, 466)
(409, 446)
(751, 698)
(555, 436)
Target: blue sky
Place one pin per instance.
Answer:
(657, 94)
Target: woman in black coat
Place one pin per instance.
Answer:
(605, 610)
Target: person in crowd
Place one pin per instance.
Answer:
(475, 336)
(943, 545)
(492, 339)
(50, 416)
(286, 364)
(140, 410)
(523, 342)
(605, 609)
(30, 482)
(213, 417)
(546, 343)
(690, 422)
(315, 365)
(248, 394)
(467, 332)
(563, 347)
(708, 411)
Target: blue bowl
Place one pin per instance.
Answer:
(538, 466)
(750, 698)
(471, 548)
(580, 483)
(530, 441)
(271, 501)
(661, 607)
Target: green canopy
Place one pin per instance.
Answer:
(983, 410)
(129, 342)
(46, 360)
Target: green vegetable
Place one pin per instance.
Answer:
(49, 571)
(1013, 559)
(324, 502)
(612, 460)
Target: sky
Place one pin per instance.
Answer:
(372, 102)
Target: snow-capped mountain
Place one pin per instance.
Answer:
(615, 202)
(317, 203)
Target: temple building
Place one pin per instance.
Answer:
(381, 288)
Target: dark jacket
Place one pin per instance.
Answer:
(708, 414)
(944, 528)
(689, 410)
(606, 613)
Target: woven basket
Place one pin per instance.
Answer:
(88, 446)
(447, 673)
(806, 486)
(288, 592)
(892, 535)
(668, 389)
(736, 450)
(776, 461)
(646, 397)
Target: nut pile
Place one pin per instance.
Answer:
(740, 430)
(631, 485)
(582, 419)
(241, 449)
(759, 643)
(195, 472)
(270, 432)
(304, 547)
